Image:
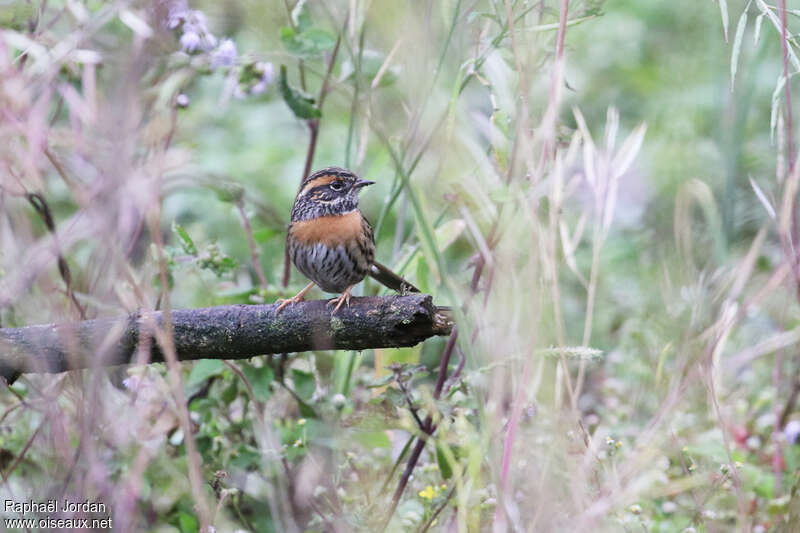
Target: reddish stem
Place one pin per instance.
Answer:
(313, 126)
(427, 427)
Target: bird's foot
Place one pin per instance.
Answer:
(341, 300)
(282, 304)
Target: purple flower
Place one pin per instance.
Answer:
(791, 431)
(269, 73)
(174, 21)
(190, 41)
(225, 55)
(198, 20)
(194, 28)
(208, 42)
(267, 77)
(177, 12)
(258, 88)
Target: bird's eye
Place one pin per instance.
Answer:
(337, 185)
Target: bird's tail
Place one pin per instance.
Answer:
(390, 279)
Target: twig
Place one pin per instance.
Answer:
(428, 428)
(412, 462)
(39, 204)
(22, 453)
(410, 402)
(397, 462)
(248, 230)
(790, 402)
(250, 392)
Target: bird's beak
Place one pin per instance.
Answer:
(362, 183)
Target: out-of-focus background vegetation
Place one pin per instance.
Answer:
(611, 219)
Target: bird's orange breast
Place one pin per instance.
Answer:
(331, 230)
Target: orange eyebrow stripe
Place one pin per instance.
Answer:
(316, 182)
(332, 230)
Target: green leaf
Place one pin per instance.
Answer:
(501, 194)
(395, 397)
(228, 191)
(301, 104)
(227, 264)
(204, 369)
(186, 242)
(757, 30)
(737, 44)
(308, 44)
(371, 63)
(373, 439)
(304, 384)
(260, 379)
(318, 40)
(380, 382)
(229, 393)
(187, 522)
(723, 11)
(246, 458)
(262, 235)
(290, 40)
(444, 464)
(422, 274)
(306, 410)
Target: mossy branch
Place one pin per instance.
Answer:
(223, 332)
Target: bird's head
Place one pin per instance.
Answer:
(330, 191)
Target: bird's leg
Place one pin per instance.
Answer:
(297, 298)
(343, 299)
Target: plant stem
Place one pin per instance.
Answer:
(428, 427)
(795, 232)
(356, 91)
(248, 230)
(787, 90)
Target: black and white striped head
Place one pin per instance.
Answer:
(330, 191)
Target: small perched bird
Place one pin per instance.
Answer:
(330, 241)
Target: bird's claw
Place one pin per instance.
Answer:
(341, 300)
(282, 304)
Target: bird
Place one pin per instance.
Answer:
(330, 241)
